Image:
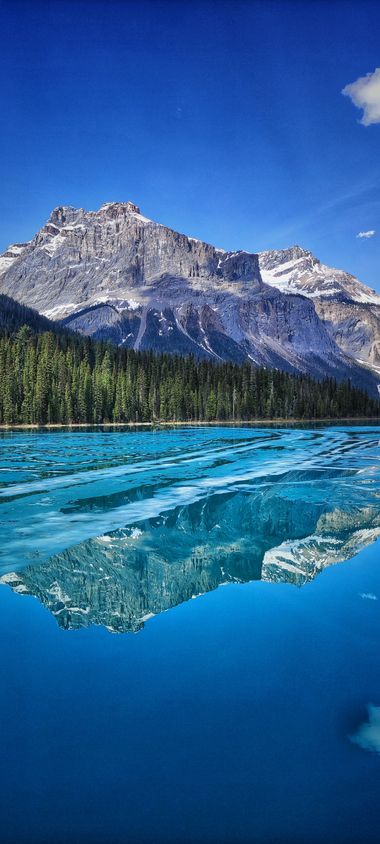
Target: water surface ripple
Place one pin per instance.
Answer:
(108, 512)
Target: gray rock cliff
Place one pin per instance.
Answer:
(114, 274)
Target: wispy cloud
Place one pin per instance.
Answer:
(365, 94)
(367, 235)
(359, 197)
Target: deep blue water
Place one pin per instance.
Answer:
(190, 629)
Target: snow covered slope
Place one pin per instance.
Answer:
(348, 308)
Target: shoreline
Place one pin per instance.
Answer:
(34, 426)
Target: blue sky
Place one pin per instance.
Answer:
(224, 120)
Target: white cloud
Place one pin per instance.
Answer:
(368, 734)
(365, 94)
(368, 234)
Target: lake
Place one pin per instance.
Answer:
(190, 629)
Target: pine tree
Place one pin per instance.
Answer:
(65, 378)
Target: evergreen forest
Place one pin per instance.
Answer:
(51, 377)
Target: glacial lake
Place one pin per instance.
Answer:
(190, 635)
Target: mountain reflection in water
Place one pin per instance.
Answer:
(279, 527)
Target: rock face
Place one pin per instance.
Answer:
(113, 274)
(348, 309)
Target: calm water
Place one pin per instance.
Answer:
(190, 636)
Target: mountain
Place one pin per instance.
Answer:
(114, 274)
(349, 310)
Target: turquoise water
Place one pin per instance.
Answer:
(190, 635)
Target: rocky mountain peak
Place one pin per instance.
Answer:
(63, 215)
(274, 258)
(348, 308)
(298, 251)
(295, 270)
(66, 215)
(117, 209)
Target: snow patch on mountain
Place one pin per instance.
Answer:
(11, 255)
(296, 270)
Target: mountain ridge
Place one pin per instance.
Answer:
(349, 309)
(14, 315)
(115, 274)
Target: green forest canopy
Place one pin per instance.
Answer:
(64, 378)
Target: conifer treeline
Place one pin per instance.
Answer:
(60, 378)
